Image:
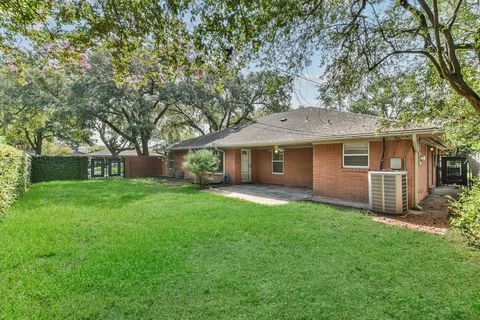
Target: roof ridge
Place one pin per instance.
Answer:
(350, 112)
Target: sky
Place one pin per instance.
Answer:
(305, 92)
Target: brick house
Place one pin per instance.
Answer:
(329, 151)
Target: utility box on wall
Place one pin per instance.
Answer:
(396, 163)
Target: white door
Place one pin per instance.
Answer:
(245, 165)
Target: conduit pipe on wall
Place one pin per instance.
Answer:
(382, 160)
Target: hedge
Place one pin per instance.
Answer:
(467, 209)
(14, 175)
(48, 168)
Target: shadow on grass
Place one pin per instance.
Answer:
(110, 193)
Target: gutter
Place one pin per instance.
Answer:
(416, 151)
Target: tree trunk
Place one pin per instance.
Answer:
(113, 151)
(145, 146)
(463, 89)
(38, 143)
(138, 149)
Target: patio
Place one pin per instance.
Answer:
(264, 193)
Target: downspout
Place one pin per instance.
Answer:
(416, 150)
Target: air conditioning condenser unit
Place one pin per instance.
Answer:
(388, 191)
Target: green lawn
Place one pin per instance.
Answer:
(117, 249)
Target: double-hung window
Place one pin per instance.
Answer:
(355, 155)
(278, 161)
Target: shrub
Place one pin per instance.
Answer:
(200, 163)
(14, 175)
(467, 208)
(48, 168)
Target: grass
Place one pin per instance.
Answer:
(129, 249)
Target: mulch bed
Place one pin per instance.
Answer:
(417, 220)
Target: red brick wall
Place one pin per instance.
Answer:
(232, 165)
(321, 168)
(330, 179)
(423, 169)
(179, 157)
(297, 167)
(143, 167)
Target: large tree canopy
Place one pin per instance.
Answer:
(188, 37)
(61, 31)
(206, 108)
(134, 111)
(36, 113)
(358, 37)
(367, 46)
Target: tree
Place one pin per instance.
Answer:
(114, 142)
(359, 36)
(200, 163)
(60, 32)
(188, 37)
(385, 95)
(133, 110)
(37, 112)
(437, 103)
(55, 149)
(207, 108)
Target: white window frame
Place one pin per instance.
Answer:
(249, 165)
(282, 161)
(359, 154)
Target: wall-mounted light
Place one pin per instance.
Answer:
(431, 149)
(276, 149)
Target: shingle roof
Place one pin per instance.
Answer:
(126, 153)
(296, 126)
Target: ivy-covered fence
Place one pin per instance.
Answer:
(14, 175)
(48, 168)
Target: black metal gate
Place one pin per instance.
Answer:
(114, 167)
(455, 170)
(97, 168)
(106, 167)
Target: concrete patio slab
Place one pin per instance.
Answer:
(264, 193)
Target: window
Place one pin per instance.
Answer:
(172, 164)
(355, 155)
(220, 155)
(277, 161)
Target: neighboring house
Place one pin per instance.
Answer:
(326, 150)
